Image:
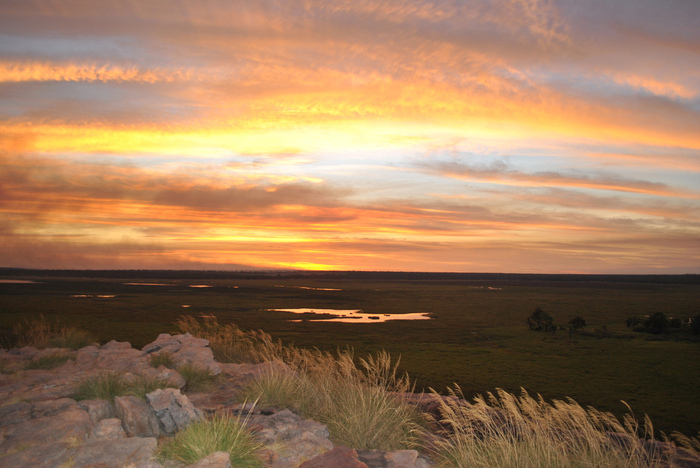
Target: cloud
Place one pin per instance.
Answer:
(500, 173)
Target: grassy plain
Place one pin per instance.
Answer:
(478, 338)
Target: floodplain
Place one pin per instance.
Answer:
(475, 333)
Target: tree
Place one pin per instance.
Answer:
(656, 323)
(575, 324)
(695, 325)
(633, 321)
(540, 320)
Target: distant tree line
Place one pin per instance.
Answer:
(657, 323)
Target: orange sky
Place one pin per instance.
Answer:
(472, 136)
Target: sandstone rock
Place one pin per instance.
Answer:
(50, 407)
(15, 413)
(405, 459)
(173, 409)
(171, 376)
(110, 429)
(47, 455)
(113, 345)
(138, 420)
(339, 457)
(97, 409)
(164, 342)
(285, 425)
(115, 453)
(72, 425)
(215, 460)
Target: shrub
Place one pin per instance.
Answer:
(540, 320)
(656, 323)
(140, 385)
(503, 430)
(695, 325)
(575, 324)
(197, 378)
(49, 361)
(221, 433)
(633, 321)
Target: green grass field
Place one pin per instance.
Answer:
(479, 338)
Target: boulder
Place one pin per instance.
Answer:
(115, 453)
(215, 460)
(37, 455)
(71, 426)
(97, 409)
(110, 429)
(173, 409)
(138, 420)
(339, 457)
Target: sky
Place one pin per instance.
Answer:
(534, 136)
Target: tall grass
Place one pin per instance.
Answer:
(357, 405)
(49, 361)
(221, 433)
(197, 379)
(503, 430)
(41, 334)
(229, 343)
(107, 385)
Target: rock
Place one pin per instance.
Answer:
(215, 460)
(72, 426)
(47, 455)
(397, 459)
(115, 345)
(115, 453)
(171, 376)
(173, 409)
(97, 409)
(339, 457)
(138, 420)
(50, 407)
(15, 413)
(164, 342)
(404, 459)
(110, 429)
(294, 439)
(285, 425)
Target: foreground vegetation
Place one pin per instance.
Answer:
(478, 338)
(363, 403)
(363, 409)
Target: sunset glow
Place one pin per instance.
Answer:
(503, 136)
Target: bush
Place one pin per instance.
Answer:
(540, 320)
(576, 324)
(221, 433)
(503, 430)
(656, 323)
(695, 325)
(633, 321)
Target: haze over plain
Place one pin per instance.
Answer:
(508, 135)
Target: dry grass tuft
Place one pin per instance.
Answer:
(507, 431)
(41, 334)
(229, 343)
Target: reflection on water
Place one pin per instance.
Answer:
(93, 295)
(12, 281)
(307, 287)
(200, 285)
(351, 316)
(147, 284)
